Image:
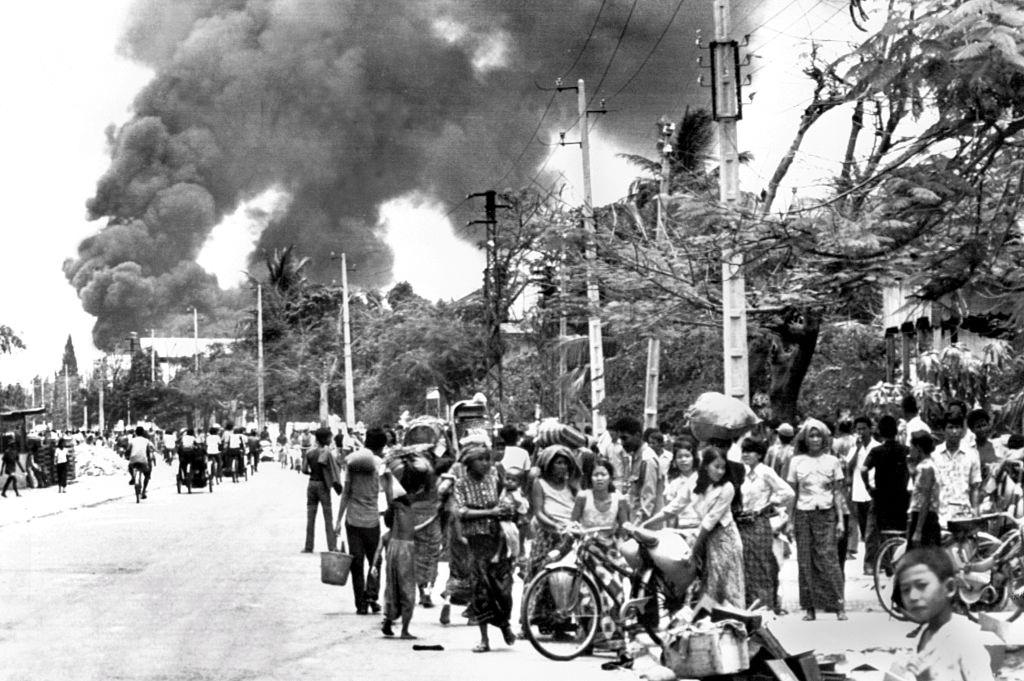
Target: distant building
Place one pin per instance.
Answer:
(172, 354)
(913, 326)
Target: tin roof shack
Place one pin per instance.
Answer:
(33, 457)
(915, 327)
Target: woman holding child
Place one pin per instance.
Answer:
(478, 502)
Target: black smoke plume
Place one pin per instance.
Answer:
(344, 104)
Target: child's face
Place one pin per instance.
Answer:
(600, 478)
(925, 597)
(511, 483)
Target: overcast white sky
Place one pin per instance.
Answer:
(64, 83)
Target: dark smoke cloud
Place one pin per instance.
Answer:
(343, 104)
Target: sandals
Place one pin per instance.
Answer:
(482, 648)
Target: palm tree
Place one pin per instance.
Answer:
(285, 272)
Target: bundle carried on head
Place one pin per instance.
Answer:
(411, 466)
(551, 431)
(715, 416)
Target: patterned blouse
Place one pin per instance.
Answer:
(815, 479)
(477, 494)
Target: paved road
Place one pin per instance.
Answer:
(212, 586)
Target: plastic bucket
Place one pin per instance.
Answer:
(334, 567)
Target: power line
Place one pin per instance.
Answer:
(654, 48)
(615, 51)
(590, 34)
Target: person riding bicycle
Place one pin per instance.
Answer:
(234, 450)
(213, 450)
(141, 457)
(188, 462)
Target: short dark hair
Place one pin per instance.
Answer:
(707, 456)
(888, 427)
(863, 419)
(376, 438)
(932, 557)
(509, 434)
(845, 427)
(628, 425)
(653, 432)
(323, 436)
(923, 441)
(976, 416)
(685, 441)
(140, 431)
(755, 445)
(909, 404)
(951, 419)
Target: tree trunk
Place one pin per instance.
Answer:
(796, 337)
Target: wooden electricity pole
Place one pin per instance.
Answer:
(350, 399)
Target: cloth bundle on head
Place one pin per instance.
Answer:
(411, 466)
(813, 424)
(551, 431)
(715, 416)
(548, 455)
(477, 436)
(473, 450)
(785, 430)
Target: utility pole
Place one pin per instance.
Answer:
(152, 355)
(563, 331)
(665, 130)
(102, 387)
(195, 340)
(493, 288)
(593, 294)
(350, 400)
(260, 396)
(67, 400)
(727, 110)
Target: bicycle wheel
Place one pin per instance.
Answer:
(656, 615)
(561, 612)
(885, 562)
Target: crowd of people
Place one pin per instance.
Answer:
(494, 510)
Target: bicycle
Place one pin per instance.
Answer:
(562, 605)
(989, 568)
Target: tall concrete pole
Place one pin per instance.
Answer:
(103, 383)
(195, 338)
(653, 344)
(152, 355)
(593, 294)
(67, 400)
(734, 306)
(260, 395)
(350, 399)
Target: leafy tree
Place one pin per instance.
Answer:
(9, 341)
(69, 362)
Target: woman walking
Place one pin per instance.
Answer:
(817, 477)
(602, 507)
(682, 472)
(60, 459)
(763, 492)
(552, 497)
(718, 545)
(477, 495)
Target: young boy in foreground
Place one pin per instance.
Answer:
(950, 647)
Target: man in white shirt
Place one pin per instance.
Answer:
(859, 495)
(912, 421)
(514, 456)
(958, 471)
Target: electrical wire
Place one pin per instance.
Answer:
(654, 48)
(615, 51)
(590, 34)
(551, 100)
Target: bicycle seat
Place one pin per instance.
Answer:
(892, 534)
